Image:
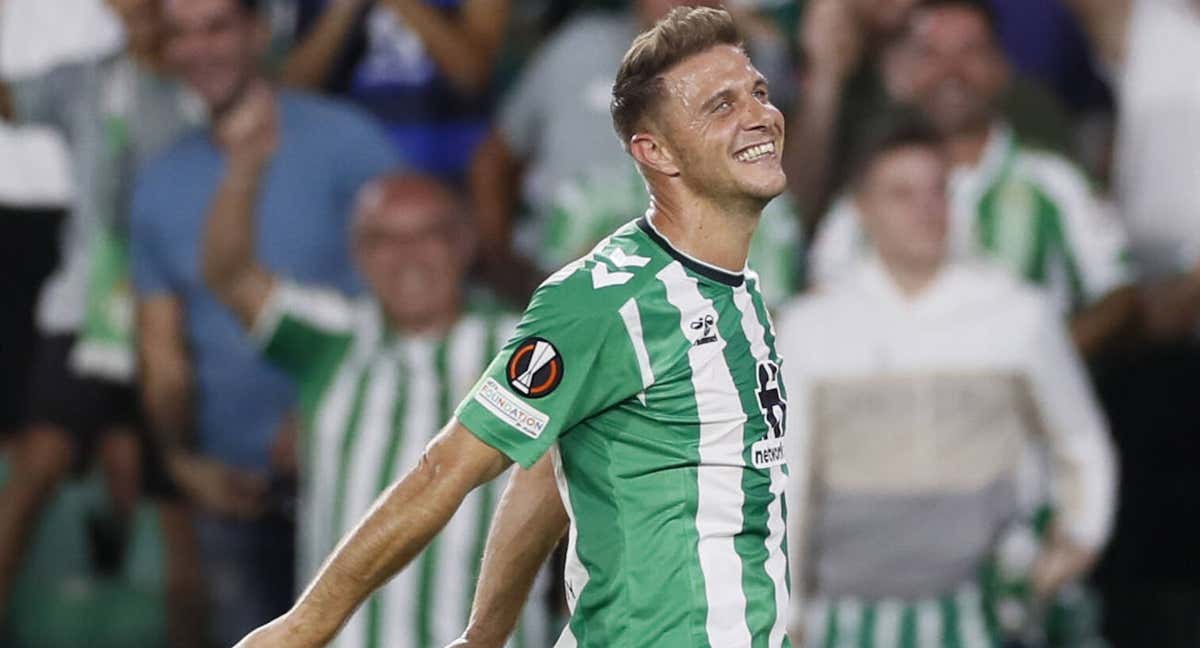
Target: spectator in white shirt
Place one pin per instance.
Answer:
(916, 383)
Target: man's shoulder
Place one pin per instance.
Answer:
(1057, 176)
(810, 313)
(190, 148)
(619, 268)
(159, 176)
(326, 116)
(993, 287)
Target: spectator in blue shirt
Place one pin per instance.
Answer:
(218, 408)
(423, 67)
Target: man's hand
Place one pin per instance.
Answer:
(249, 132)
(1170, 308)
(285, 454)
(1060, 562)
(832, 37)
(217, 487)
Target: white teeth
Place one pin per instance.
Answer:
(755, 152)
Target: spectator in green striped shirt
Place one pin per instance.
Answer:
(375, 375)
(1028, 209)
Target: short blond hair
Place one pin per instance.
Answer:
(682, 33)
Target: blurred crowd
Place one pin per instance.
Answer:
(254, 252)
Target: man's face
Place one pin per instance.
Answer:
(718, 119)
(951, 67)
(409, 246)
(142, 20)
(214, 45)
(902, 199)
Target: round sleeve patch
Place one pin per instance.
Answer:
(535, 368)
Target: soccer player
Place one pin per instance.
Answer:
(375, 375)
(647, 370)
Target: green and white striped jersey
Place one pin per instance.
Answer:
(371, 400)
(1032, 211)
(654, 379)
(590, 208)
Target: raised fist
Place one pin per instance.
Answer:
(833, 38)
(249, 130)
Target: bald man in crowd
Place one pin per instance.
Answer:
(375, 375)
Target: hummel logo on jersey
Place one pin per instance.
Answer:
(704, 325)
(535, 368)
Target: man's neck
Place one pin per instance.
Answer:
(149, 60)
(218, 112)
(912, 278)
(966, 149)
(704, 231)
(432, 325)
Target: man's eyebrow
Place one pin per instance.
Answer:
(720, 96)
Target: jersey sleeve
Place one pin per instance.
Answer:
(303, 329)
(569, 359)
(1095, 239)
(1076, 430)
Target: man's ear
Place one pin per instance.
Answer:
(650, 151)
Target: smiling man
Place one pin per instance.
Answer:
(647, 370)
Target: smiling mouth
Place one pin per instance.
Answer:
(756, 152)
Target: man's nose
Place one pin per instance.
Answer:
(757, 116)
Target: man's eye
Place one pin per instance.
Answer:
(722, 106)
(761, 95)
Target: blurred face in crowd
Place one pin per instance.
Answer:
(950, 66)
(412, 244)
(718, 120)
(902, 200)
(215, 46)
(142, 20)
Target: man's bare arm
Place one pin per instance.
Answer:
(833, 44)
(166, 370)
(403, 520)
(312, 59)
(1095, 328)
(230, 265)
(494, 177)
(1170, 308)
(529, 523)
(464, 44)
(166, 383)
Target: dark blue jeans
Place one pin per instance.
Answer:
(250, 571)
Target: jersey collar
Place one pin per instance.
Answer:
(733, 279)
